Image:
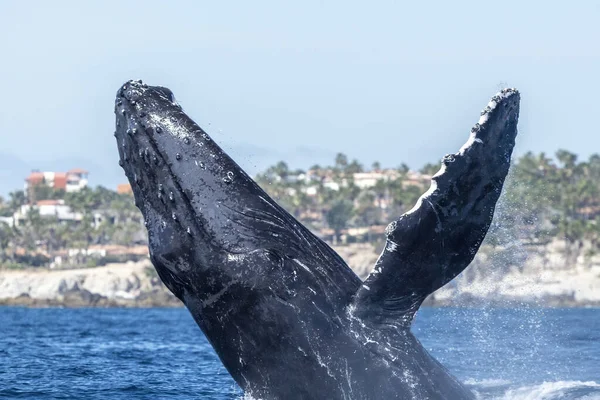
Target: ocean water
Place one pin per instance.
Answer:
(161, 353)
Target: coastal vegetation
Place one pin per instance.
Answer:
(100, 217)
(545, 198)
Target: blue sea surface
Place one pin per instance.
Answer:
(161, 353)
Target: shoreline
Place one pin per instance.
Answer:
(531, 278)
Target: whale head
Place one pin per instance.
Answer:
(180, 179)
(211, 228)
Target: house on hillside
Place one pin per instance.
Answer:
(414, 178)
(48, 208)
(369, 179)
(54, 209)
(70, 181)
(77, 179)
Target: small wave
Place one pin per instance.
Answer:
(588, 390)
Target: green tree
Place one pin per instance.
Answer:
(126, 220)
(338, 215)
(84, 202)
(354, 167)
(7, 242)
(17, 199)
(341, 163)
(403, 169)
(367, 213)
(430, 169)
(44, 192)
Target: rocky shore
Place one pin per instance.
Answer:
(114, 285)
(547, 275)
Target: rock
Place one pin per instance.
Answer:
(126, 285)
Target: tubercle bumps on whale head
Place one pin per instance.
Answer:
(170, 161)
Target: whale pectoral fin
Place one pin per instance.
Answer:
(436, 240)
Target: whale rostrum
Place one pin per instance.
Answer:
(285, 314)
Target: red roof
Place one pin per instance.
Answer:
(35, 178)
(48, 202)
(124, 188)
(60, 180)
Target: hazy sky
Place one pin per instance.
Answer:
(389, 81)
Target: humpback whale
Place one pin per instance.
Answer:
(284, 313)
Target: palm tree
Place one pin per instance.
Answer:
(84, 202)
(7, 237)
(17, 199)
(338, 216)
(126, 220)
(430, 169)
(354, 167)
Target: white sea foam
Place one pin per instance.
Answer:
(571, 390)
(580, 390)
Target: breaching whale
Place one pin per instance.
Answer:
(286, 316)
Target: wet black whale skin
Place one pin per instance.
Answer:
(287, 317)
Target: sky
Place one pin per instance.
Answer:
(394, 82)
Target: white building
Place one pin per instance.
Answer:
(369, 179)
(48, 208)
(7, 220)
(70, 181)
